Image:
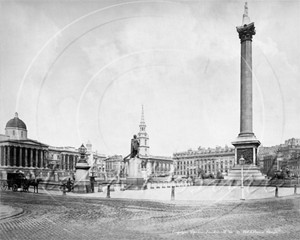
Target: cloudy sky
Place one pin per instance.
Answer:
(81, 70)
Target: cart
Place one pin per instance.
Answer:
(16, 181)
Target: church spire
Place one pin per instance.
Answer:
(142, 119)
(143, 137)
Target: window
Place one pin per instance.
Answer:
(14, 132)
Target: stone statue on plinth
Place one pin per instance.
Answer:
(135, 144)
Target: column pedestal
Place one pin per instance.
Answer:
(135, 179)
(82, 180)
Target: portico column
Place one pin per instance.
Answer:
(68, 162)
(65, 162)
(15, 156)
(26, 156)
(8, 156)
(21, 155)
(31, 157)
(4, 155)
(36, 158)
(1, 156)
(41, 160)
(72, 162)
(62, 162)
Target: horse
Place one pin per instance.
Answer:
(32, 182)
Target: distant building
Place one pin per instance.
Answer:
(18, 152)
(36, 159)
(279, 157)
(154, 165)
(267, 159)
(210, 160)
(113, 165)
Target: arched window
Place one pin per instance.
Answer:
(21, 133)
(14, 132)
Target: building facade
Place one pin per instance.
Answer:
(18, 152)
(153, 165)
(113, 165)
(267, 159)
(36, 159)
(210, 161)
(280, 157)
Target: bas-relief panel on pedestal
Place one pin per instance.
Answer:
(247, 155)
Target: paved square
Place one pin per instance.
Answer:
(73, 217)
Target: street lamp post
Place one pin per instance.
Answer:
(242, 161)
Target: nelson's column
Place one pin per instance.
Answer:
(246, 143)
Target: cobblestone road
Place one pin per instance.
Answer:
(66, 217)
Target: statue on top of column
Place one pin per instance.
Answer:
(135, 144)
(246, 9)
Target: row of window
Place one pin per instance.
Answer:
(202, 161)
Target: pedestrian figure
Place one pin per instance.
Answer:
(69, 185)
(92, 180)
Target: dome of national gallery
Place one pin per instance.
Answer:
(16, 122)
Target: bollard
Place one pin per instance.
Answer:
(276, 191)
(100, 187)
(108, 191)
(173, 193)
(64, 189)
(295, 189)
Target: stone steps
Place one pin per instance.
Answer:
(250, 172)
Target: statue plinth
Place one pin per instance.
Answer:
(134, 168)
(135, 179)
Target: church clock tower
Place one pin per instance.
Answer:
(143, 137)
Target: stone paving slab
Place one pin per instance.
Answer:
(8, 211)
(55, 216)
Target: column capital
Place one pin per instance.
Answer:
(246, 32)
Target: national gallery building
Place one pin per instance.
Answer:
(36, 159)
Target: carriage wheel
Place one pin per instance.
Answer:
(3, 186)
(15, 187)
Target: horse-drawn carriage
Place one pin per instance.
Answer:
(18, 181)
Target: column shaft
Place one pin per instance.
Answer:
(62, 161)
(246, 87)
(31, 157)
(68, 162)
(5, 156)
(26, 158)
(8, 156)
(14, 156)
(21, 158)
(1, 156)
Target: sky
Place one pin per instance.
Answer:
(79, 71)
